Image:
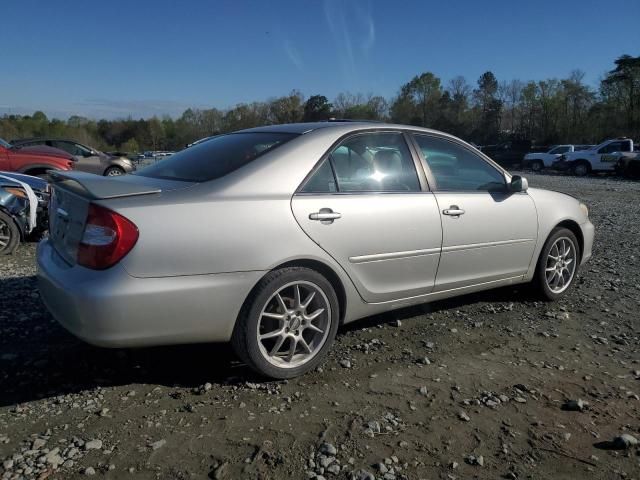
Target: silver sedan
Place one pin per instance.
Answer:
(273, 237)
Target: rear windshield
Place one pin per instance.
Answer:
(217, 157)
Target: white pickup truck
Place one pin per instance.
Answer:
(602, 157)
(539, 160)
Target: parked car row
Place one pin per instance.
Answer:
(86, 159)
(539, 160)
(616, 155)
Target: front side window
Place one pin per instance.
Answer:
(458, 169)
(217, 157)
(369, 162)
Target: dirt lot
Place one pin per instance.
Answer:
(467, 388)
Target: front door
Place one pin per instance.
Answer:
(365, 207)
(488, 233)
(86, 161)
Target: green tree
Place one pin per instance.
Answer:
(418, 101)
(130, 146)
(317, 108)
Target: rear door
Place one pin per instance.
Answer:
(488, 232)
(365, 206)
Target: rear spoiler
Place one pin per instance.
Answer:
(96, 187)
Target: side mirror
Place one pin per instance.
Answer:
(518, 184)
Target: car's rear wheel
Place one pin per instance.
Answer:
(113, 172)
(558, 263)
(288, 323)
(9, 234)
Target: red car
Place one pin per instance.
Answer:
(33, 160)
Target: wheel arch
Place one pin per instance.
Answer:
(574, 228)
(320, 267)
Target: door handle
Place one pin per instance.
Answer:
(454, 211)
(325, 215)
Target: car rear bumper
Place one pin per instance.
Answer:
(110, 308)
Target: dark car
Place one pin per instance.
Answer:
(16, 222)
(628, 166)
(87, 159)
(508, 154)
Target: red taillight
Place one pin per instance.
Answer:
(107, 238)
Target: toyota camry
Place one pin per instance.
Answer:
(273, 237)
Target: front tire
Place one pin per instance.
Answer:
(581, 169)
(114, 172)
(288, 323)
(9, 234)
(537, 166)
(558, 264)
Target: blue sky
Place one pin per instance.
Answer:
(140, 57)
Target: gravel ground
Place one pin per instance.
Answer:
(491, 385)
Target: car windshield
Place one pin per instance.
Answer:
(217, 157)
(4, 144)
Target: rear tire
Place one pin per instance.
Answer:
(9, 234)
(557, 264)
(282, 334)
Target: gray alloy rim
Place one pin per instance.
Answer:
(114, 172)
(561, 265)
(536, 166)
(294, 324)
(5, 234)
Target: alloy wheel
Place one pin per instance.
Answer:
(294, 324)
(5, 234)
(561, 265)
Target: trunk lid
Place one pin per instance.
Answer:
(73, 192)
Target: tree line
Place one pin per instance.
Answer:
(546, 112)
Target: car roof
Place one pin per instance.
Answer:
(43, 139)
(302, 128)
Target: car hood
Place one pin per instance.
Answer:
(43, 150)
(34, 182)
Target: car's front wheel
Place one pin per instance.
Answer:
(558, 263)
(288, 323)
(537, 166)
(9, 234)
(113, 172)
(581, 169)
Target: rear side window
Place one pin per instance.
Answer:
(217, 157)
(369, 162)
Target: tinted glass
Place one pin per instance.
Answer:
(217, 157)
(559, 150)
(458, 169)
(4, 144)
(614, 147)
(375, 162)
(322, 181)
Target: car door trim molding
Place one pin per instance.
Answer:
(472, 246)
(378, 257)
